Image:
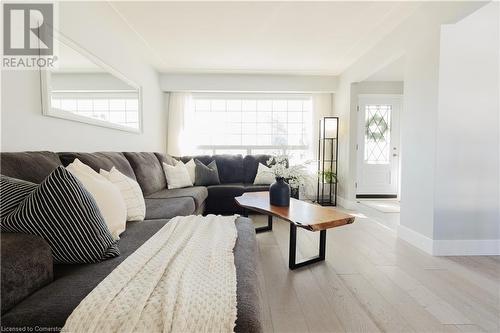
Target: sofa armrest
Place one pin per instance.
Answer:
(26, 266)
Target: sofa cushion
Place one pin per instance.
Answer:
(106, 195)
(130, 191)
(221, 198)
(100, 160)
(32, 166)
(166, 158)
(206, 174)
(177, 176)
(230, 168)
(225, 191)
(148, 171)
(26, 266)
(191, 168)
(256, 188)
(13, 193)
(198, 193)
(169, 208)
(250, 166)
(265, 175)
(205, 159)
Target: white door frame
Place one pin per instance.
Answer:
(396, 176)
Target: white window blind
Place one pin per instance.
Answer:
(251, 123)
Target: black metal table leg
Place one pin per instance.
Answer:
(268, 227)
(292, 264)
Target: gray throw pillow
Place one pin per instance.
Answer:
(206, 174)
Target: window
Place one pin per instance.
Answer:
(251, 123)
(377, 133)
(121, 108)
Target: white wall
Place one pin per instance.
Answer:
(378, 87)
(87, 81)
(417, 39)
(97, 28)
(418, 135)
(467, 157)
(248, 83)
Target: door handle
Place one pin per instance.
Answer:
(394, 155)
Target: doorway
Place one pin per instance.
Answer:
(378, 146)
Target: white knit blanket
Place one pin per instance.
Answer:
(183, 279)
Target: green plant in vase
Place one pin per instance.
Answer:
(294, 175)
(328, 177)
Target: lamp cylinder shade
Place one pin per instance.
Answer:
(330, 128)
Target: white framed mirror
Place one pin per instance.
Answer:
(83, 88)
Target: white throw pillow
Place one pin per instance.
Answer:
(177, 176)
(265, 175)
(107, 196)
(191, 168)
(131, 192)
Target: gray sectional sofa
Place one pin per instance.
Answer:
(35, 292)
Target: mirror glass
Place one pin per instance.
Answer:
(82, 88)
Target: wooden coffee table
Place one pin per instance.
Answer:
(300, 214)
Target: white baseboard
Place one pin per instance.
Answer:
(416, 239)
(468, 247)
(347, 204)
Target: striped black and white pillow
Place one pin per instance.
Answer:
(13, 192)
(61, 211)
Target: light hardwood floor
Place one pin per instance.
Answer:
(373, 282)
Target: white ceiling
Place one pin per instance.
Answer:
(321, 38)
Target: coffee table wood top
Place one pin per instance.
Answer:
(301, 213)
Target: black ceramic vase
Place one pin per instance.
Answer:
(279, 193)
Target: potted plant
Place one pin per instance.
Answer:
(328, 177)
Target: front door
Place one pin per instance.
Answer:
(378, 145)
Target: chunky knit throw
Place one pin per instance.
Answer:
(183, 279)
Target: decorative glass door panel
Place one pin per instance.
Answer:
(377, 133)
